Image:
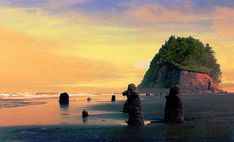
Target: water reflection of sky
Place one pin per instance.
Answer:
(15, 112)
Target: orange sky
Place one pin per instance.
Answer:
(85, 46)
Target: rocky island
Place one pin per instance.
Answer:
(185, 62)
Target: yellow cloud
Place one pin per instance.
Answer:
(30, 64)
(41, 52)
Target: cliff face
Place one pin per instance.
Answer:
(163, 76)
(194, 82)
(167, 74)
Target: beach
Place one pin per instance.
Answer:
(207, 118)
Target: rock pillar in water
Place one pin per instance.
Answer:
(113, 99)
(64, 99)
(133, 106)
(85, 113)
(89, 99)
(174, 109)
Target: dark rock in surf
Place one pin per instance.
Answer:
(64, 99)
(89, 99)
(133, 106)
(85, 113)
(113, 98)
(174, 109)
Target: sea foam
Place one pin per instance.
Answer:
(38, 95)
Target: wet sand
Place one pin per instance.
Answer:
(47, 111)
(208, 118)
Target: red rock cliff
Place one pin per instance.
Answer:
(194, 82)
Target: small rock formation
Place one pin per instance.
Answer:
(133, 106)
(64, 99)
(113, 98)
(174, 109)
(147, 94)
(85, 113)
(89, 99)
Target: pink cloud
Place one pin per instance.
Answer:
(224, 21)
(156, 13)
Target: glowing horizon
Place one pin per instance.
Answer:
(102, 45)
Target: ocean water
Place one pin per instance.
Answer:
(44, 109)
(13, 100)
(40, 95)
(208, 118)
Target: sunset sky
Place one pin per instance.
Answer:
(102, 45)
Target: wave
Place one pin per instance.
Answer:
(39, 95)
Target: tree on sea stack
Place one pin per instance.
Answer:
(183, 61)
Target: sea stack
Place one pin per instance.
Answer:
(64, 99)
(113, 98)
(185, 62)
(133, 106)
(174, 109)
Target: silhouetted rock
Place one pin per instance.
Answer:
(147, 94)
(85, 113)
(125, 107)
(174, 109)
(89, 99)
(133, 106)
(113, 98)
(64, 99)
